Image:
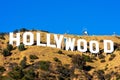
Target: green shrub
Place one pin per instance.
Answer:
(9, 47)
(33, 57)
(64, 73)
(101, 56)
(44, 65)
(56, 59)
(78, 61)
(60, 52)
(16, 73)
(118, 49)
(69, 55)
(23, 63)
(100, 74)
(6, 53)
(2, 37)
(2, 69)
(21, 47)
(29, 75)
(112, 56)
(118, 77)
(108, 76)
(23, 30)
(16, 31)
(87, 58)
(44, 31)
(5, 78)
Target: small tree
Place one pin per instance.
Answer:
(23, 63)
(21, 47)
(101, 56)
(9, 47)
(60, 52)
(33, 57)
(2, 37)
(2, 69)
(112, 56)
(15, 31)
(56, 59)
(64, 72)
(6, 53)
(87, 58)
(44, 65)
(78, 61)
(16, 73)
(23, 30)
(29, 74)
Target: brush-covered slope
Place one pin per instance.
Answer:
(46, 63)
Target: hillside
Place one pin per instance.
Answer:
(46, 63)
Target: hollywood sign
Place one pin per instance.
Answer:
(68, 42)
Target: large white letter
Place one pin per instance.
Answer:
(58, 41)
(48, 42)
(70, 44)
(25, 38)
(106, 46)
(96, 47)
(84, 45)
(17, 39)
(38, 40)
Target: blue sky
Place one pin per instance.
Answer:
(100, 17)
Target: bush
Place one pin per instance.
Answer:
(102, 61)
(112, 57)
(60, 52)
(6, 53)
(100, 74)
(16, 73)
(2, 69)
(78, 61)
(5, 78)
(108, 76)
(101, 40)
(23, 63)
(44, 65)
(69, 55)
(23, 30)
(16, 31)
(87, 58)
(64, 73)
(9, 47)
(33, 57)
(117, 76)
(118, 49)
(21, 47)
(44, 31)
(101, 56)
(2, 37)
(56, 59)
(29, 74)
(116, 46)
(87, 68)
(46, 76)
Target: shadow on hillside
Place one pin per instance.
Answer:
(87, 68)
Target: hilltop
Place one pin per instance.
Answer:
(46, 63)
